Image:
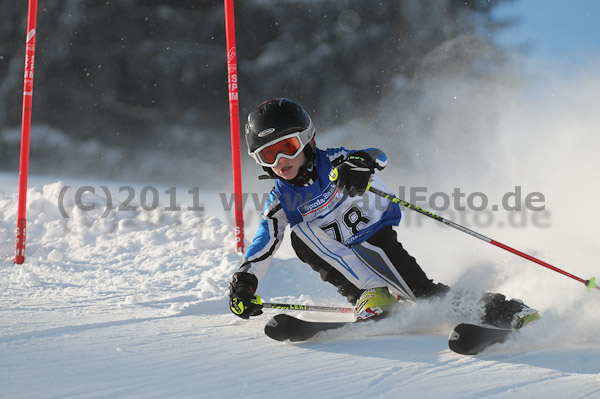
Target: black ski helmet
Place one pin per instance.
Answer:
(273, 120)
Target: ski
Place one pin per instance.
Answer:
(471, 339)
(465, 339)
(284, 327)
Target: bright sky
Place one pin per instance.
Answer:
(565, 30)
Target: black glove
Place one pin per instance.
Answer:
(242, 301)
(354, 173)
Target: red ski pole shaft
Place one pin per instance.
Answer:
(536, 260)
(25, 132)
(591, 283)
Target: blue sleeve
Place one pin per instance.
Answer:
(267, 239)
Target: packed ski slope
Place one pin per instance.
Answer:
(133, 305)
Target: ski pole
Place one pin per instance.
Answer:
(591, 283)
(314, 308)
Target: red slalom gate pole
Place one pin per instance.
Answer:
(25, 131)
(234, 120)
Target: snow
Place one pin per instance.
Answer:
(134, 305)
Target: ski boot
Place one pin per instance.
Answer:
(374, 302)
(504, 313)
(523, 317)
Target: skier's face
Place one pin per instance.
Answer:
(287, 169)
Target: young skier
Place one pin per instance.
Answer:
(342, 230)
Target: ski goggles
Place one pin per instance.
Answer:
(289, 146)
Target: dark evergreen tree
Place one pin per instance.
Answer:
(125, 72)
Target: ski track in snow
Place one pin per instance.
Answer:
(134, 305)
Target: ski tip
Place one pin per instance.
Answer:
(455, 344)
(454, 336)
(471, 339)
(284, 327)
(277, 325)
